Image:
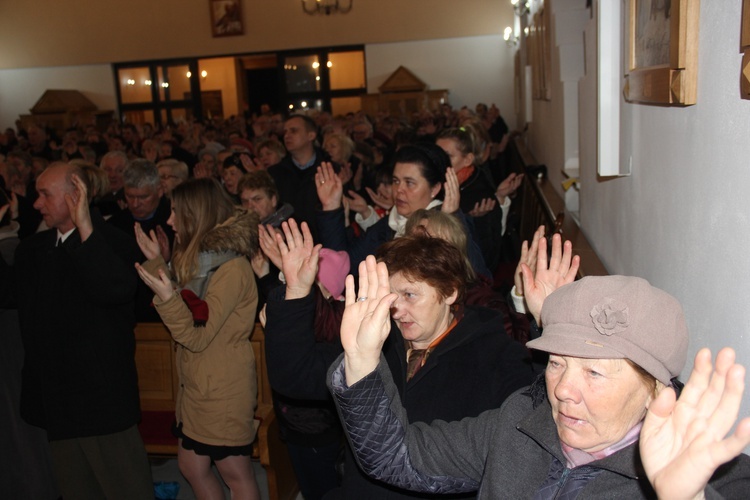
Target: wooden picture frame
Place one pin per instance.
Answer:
(662, 52)
(226, 18)
(540, 55)
(745, 50)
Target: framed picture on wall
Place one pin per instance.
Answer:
(539, 55)
(226, 18)
(745, 50)
(662, 52)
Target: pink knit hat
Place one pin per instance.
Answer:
(332, 270)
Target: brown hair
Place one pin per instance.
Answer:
(259, 179)
(431, 260)
(463, 137)
(273, 145)
(199, 205)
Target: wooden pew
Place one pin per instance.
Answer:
(543, 206)
(157, 381)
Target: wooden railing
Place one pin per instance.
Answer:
(541, 205)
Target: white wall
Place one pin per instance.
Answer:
(20, 89)
(474, 69)
(681, 220)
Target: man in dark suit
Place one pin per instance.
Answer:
(75, 285)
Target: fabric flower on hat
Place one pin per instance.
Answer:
(610, 316)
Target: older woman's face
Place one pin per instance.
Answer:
(595, 402)
(333, 148)
(411, 191)
(268, 157)
(420, 312)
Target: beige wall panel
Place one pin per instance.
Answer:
(53, 33)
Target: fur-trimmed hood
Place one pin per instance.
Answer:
(238, 234)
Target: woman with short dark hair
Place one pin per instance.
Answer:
(419, 176)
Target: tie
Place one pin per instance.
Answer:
(59, 242)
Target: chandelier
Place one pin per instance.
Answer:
(326, 7)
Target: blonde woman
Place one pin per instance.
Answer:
(210, 315)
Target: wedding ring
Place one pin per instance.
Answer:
(361, 299)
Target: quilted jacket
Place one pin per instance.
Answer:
(506, 453)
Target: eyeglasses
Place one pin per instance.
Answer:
(167, 177)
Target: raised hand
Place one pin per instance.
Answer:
(260, 265)
(452, 198)
(267, 240)
(149, 244)
(78, 206)
(329, 187)
(201, 171)
(562, 269)
(528, 257)
(160, 285)
(482, 208)
(367, 319)
(357, 203)
(299, 259)
(683, 442)
(345, 174)
(508, 186)
(163, 239)
(247, 162)
(13, 205)
(380, 198)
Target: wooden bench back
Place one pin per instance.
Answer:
(157, 370)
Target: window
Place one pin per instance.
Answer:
(162, 92)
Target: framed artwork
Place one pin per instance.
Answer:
(662, 52)
(226, 18)
(745, 50)
(540, 55)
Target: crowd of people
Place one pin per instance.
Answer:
(210, 227)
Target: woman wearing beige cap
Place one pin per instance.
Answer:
(601, 423)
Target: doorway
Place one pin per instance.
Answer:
(263, 87)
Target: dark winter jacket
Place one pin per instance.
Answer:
(75, 305)
(473, 369)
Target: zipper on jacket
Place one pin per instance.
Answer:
(561, 481)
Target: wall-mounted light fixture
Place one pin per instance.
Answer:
(510, 37)
(522, 7)
(327, 7)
